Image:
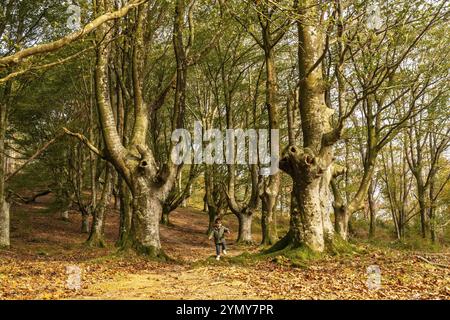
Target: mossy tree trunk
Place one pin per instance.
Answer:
(147, 210)
(244, 211)
(97, 231)
(310, 166)
(372, 211)
(311, 210)
(149, 184)
(4, 206)
(245, 228)
(125, 212)
(85, 223)
(271, 187)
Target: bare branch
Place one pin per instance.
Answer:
(86, 141)
(60, 43)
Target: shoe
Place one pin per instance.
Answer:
(218, 258)
(225, 252)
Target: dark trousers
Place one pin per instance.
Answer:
(222, 245)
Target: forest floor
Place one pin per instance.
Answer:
(43, 246)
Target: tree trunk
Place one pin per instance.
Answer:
(311, 166)
(245, 228)
(318, 229)
(215, 201)
(4, 206)
(4, 225)
(134, 161)
(125, 213)
(310, 224)
(212, 217)
(272, 188)
(165, 220)
(213, 214)
(431, 208)
(205, 204)
(147, 210)
(268, 220)
(423, 211)
(341, 219)
(372, 212)
(85, 223)
(97, 233)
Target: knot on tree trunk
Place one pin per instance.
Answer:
(337, 170)
(301, 164)
(147, 164)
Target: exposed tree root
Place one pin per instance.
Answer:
(150, 252)
(95, 241)
(245, 242)
(300, 253)
(441, 265)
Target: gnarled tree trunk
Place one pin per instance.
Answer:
(148, 184)
(147, 210)
(311, 210)
(311, 166)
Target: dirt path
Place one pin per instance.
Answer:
(186, 241)
(186, 238)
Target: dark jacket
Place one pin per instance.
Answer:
(219, 233)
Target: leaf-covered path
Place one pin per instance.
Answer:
(43, 246)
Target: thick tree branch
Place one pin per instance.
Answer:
(60, 43)
(41, 67)
(86, 141)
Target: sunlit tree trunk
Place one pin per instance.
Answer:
(271, 186)
(311, 166)
(97, 236)
(372, 211)
(243, 211)
(4, 206)
(245, 228)
(431, 208)
(148, 184)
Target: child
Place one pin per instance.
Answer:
(218, 232)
